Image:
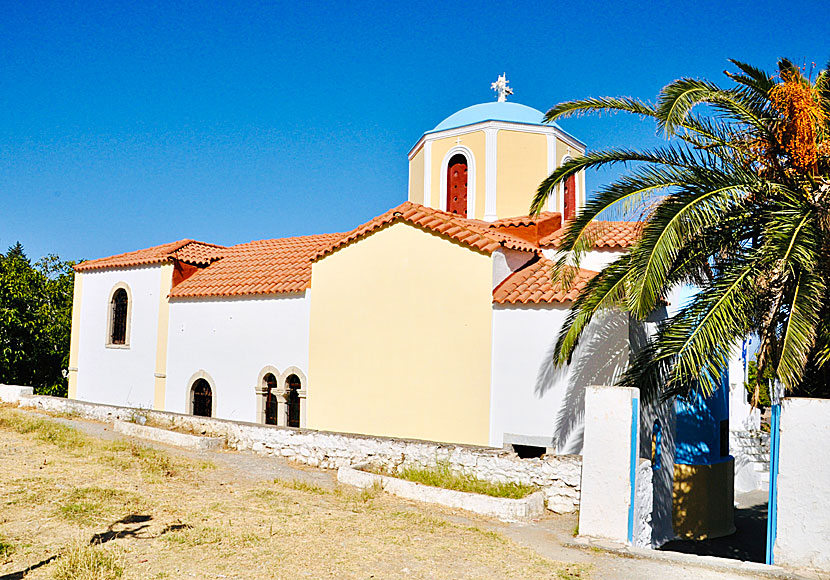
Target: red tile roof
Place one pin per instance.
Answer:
(189, 251)
(472, 233)
(608, 234)
(262, 267)
(532, 284)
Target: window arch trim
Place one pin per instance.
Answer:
(108, 342)
(471, 178)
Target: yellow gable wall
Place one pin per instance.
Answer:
(400, 337)
(416, 177)
(522, 165)
(474, 142)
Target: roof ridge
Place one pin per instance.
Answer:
(425, 217)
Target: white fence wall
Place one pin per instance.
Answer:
(803, 531)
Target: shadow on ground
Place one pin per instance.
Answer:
(748, 543)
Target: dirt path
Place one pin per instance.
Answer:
(254, 510)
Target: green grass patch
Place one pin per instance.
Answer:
(301, 485)
(6, 547)
(85, 562)
(46, 430)
(441, 475)
(95, 505)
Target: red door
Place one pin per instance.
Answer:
(570, 198)
(457, 185)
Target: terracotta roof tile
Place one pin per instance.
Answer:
(532, 285)
(262, 267)
(192, 249)
(473, 233)
(609, 234)
(199, 253)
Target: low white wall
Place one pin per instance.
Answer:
(803, 535)
(533, 403)
(232, 340)
(119, 375)
(557, 476)
(606, 466)
(13, 393)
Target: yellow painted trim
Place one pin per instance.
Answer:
(160, 385)
(522, 165)
(703, 500)
(416, 177)
(400, 338)
(74, 342)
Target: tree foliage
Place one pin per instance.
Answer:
(35, 321)
(737, 202)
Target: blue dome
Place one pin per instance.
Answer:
(504, 111)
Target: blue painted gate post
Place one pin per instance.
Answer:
(772, 506)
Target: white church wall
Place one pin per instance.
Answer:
(232, 340)
(594, 260)
(532, 403)
(119, 374)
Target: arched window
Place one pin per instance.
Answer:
(457, 185)
(118, 317)
(293, 386)
(569, 203)
(271, 405)
(201, 398)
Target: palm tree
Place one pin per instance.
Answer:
(737, 202)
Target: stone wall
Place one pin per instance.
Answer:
(558, 475)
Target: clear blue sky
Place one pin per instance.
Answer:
(128, 125)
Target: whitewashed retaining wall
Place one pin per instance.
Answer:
(558, 476)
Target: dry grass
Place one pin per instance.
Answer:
(122, 511)
(92, 506)
(84, 562)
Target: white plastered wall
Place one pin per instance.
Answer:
(232, 340)
(594, 260)
(803, 534)
(533, 403)
(119, 375)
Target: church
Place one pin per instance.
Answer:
(434, 320)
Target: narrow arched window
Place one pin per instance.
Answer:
(293, 386)
(202, 398)
(271, 405)
(457, 185)
(118, 329)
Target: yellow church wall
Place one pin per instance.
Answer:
(75, 336)
(522, 165)
(400, 338)
(440, 147)
(416, 177)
